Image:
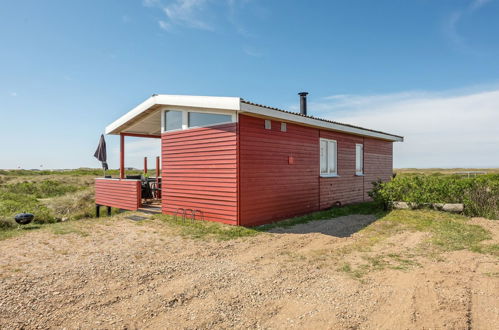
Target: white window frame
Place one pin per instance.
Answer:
(361, 172)
(268, 124)
(185, 117)
(330, 158)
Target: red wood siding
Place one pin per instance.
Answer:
(199, 171)
(347, 188)
(270, 187)
(378, 162)
(279, 171)
(123, 194)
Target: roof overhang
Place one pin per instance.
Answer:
(146, 117)
(315, 122)
(148, 109)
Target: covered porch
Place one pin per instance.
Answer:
(133, 189)
(197, 171)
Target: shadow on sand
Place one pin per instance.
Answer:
(344, 226)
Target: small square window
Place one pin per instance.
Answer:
(268, 124)
(173, 120)
(283, 127)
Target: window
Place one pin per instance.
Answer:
(329, 159)
(173, 120)
(197, 119)
(359, 159)
(283, 127)
(268, 124)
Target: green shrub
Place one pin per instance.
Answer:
(73, 206)
(6, 223)
(11, 204)
(480, 195)
(40, 189)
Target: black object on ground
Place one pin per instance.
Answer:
(136, 218)
(24, 218)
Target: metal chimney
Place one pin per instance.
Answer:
(303, 102)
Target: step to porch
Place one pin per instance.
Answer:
(150, 209)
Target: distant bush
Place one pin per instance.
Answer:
(40, 189)
(97, 172)
(480, 195)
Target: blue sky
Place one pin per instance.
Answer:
(428, 70)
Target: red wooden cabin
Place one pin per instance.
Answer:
(247, 164)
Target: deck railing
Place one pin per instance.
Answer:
(119, 193)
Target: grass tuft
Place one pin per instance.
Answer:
(450, 232)
(360, 208)
(65, 228)
(208, 229)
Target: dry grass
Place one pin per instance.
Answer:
(72, 206)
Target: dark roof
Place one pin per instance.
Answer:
(316, 118)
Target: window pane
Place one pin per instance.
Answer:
(358, 158)
(197, 119)
(323, 156)
(173, 120)
(332, 157)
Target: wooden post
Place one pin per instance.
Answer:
(109, 211)
(158, 170)
(122, 156)
(158, 173)
(145, 165)
(97, 210)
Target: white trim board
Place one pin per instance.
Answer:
(245, 107)
(234, 104)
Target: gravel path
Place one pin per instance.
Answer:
(133, 275)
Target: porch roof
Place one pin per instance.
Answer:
(146, 117)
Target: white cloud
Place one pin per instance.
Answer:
(250, 51)
(200, 14)
(450, 129)
(451, 23)
(151, 3)
(189, 13)
(476, 4)
(165, 25)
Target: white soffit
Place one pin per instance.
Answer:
(149, 105)
(149, 125)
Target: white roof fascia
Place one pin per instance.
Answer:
(213, 102)
(235, 104)
(315, 122)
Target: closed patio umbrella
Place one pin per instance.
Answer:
(101, 153)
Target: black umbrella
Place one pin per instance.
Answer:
(101, 153)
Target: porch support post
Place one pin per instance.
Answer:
(157, 167)
(145, 165)
(122, 156)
